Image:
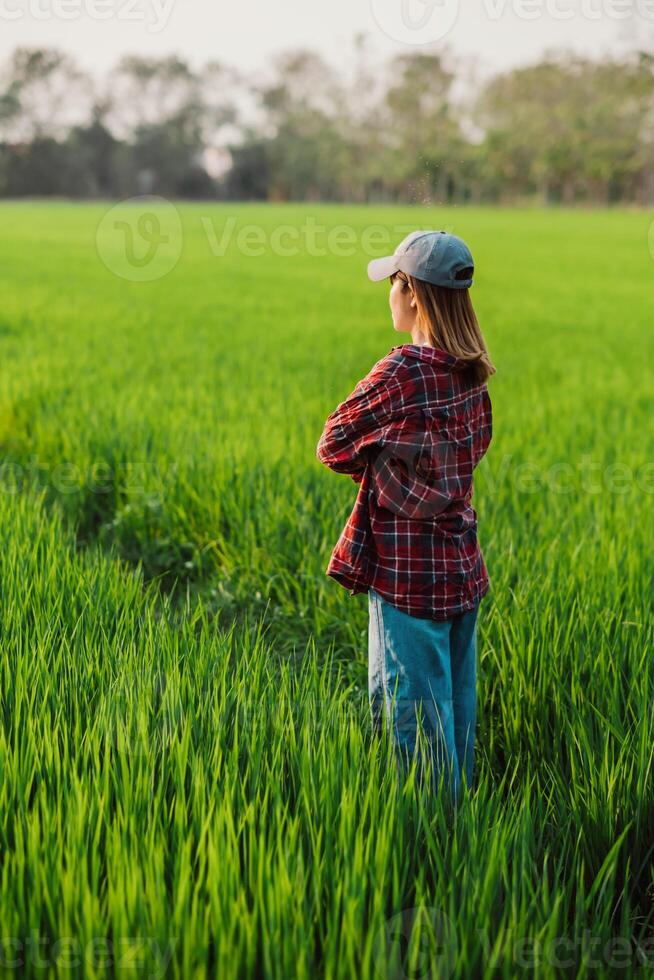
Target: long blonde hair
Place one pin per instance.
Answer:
(447, 317)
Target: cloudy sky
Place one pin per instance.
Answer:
(244, 33)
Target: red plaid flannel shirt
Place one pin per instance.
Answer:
(411, 434)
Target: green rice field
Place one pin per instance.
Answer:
(189, 784)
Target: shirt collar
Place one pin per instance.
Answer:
(434, 355)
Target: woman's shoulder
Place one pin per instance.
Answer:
(389, 367)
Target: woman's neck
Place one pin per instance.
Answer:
(418, 338)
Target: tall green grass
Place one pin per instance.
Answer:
(188, 781)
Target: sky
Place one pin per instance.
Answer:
(245, 33)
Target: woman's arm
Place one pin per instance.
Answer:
(356, 425)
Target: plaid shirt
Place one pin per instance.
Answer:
(411, 434)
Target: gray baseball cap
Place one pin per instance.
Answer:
(433, 256)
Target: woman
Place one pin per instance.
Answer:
(411, 434)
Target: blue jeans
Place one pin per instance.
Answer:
(427, 668)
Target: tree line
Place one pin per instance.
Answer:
(568, 129)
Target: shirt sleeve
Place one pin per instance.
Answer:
(356, 425)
